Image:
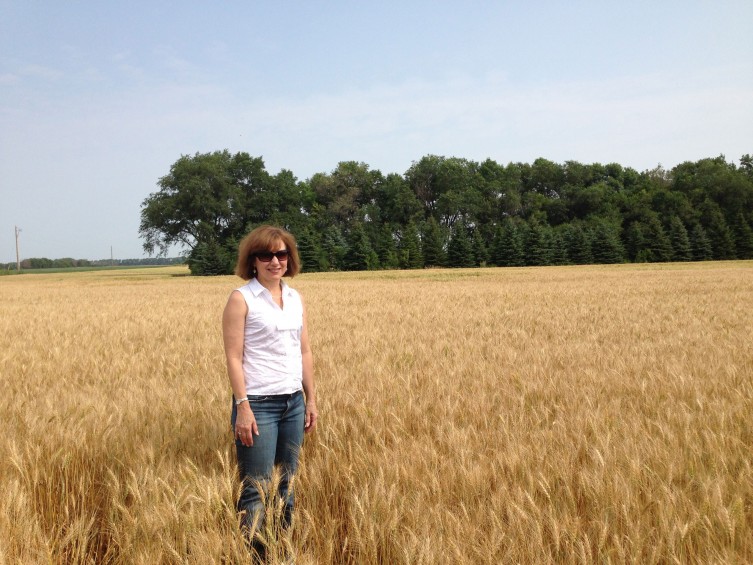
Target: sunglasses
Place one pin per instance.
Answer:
(266, 256)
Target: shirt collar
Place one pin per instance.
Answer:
(257, 288)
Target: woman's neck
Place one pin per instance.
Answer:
(271, 286)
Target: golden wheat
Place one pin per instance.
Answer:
(533, 415)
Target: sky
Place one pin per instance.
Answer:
(99, 99)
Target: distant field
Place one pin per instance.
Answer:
(523, 415)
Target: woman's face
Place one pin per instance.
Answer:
(270, 272)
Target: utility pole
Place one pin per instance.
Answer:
(112, 260)
(18, 259)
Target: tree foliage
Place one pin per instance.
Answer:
(454, 211)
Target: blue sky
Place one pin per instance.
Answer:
(98, 99)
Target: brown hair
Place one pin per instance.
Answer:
(262, 239)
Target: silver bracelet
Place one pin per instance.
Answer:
(241, 400)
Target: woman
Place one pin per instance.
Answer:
(270, 366)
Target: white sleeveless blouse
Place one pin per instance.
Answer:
(272, 340)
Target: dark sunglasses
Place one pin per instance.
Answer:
(266, 256)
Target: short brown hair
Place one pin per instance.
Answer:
(262, 239)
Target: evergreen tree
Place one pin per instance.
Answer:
(209, 258)
(360, 256)
(480, 251)
(537, 245)
(578, 245)
(496, 251)
(335, 247)
(410, 248)
(678, 235)
(309, 252)
(386, 248)
(433, 244)
(508, 250)
(606, 246)
(700, 246)
(743, 237)
(635, 243)
(460, 249)
(720, 236)
(524, 233)
(558, 249)
(658, 245)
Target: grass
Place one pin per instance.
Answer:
(532, 415)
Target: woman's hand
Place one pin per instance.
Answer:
(245, 425)
(311, 416)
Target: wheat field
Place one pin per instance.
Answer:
(527, 415)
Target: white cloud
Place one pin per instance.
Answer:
(8, 79)
(636, 121)
(41, 71)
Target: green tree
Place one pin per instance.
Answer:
(700, 246)
(433, 244)
(557, 212)
(335, 248)
(38, 263)
(423, 178)
(606, 246)
(343, 192)
(397, 203)
(578, 244)
(546, 178)
(480, 251)
(678, 235)
(500, 188)
(460, 248)
(497, 250)
(386, 248)
(657, 244)
(714, 179)
(286, 202)
(448, 188)
(209, 258)
(409, 251)
(64, 263)
(558, 248)
(743, 237)
(360, 256)
(593, 200)
(310, 252)
(507, 248)
(635, 242)
(537, 249)
(668, 203)
(720, 236)
(746, 165)
(207, 198)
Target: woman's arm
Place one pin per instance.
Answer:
(308, 377)
(233, 326)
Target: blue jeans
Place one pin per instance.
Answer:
(279, 419)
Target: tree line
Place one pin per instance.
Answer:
(455, 212)
(69, 263)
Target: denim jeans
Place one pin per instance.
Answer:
(279, 419)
